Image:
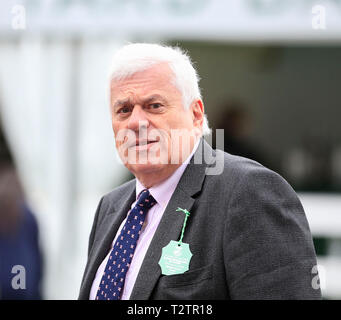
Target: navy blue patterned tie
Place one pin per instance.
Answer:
(112, 282)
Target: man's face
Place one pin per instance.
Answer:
(147, 117)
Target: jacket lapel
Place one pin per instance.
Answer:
(170, 225)
(108, 228)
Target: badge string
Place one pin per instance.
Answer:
(186, 212)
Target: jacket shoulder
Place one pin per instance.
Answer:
(238, 168)
(245, 176)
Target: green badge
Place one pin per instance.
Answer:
(176, 256)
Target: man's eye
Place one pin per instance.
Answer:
(155, 105)
(123, 110)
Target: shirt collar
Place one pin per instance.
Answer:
(164, 191)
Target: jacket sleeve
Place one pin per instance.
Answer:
(268, 248)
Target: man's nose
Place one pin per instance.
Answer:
(137, 119)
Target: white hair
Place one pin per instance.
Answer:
(137, 57)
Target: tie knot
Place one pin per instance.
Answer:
(145, 199)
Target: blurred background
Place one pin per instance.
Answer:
(270, 76)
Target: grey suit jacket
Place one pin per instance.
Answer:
(247, 231)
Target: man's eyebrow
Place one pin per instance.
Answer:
(119, 103)
(149, 99)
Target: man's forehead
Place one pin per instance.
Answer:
(141, 88)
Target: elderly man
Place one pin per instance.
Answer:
(196, 223)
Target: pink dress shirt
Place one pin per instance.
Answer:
(162, 194)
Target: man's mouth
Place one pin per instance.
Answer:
(142, 143)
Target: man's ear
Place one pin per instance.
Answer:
(197, 108)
